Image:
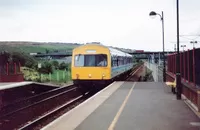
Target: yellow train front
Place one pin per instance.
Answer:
(95, 64)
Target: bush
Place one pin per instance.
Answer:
(55, 64)
(30, 74)
(46, 68)
(63, 66)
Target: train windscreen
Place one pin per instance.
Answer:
(94, 60)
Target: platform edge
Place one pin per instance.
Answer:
(48, 126)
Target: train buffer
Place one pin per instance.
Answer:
(129, 106)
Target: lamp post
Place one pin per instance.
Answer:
(193, 42)
(178, 75)
(152, 13)
(174, 47)
(183, 46)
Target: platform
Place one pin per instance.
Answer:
(9, 85)
(129, 106)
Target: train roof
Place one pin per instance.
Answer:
(116, 52)
(113, 51)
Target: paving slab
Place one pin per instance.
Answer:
(149, 107)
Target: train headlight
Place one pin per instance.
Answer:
(77, 76)
(103, 75)
(89, 75)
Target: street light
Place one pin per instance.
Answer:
(193, 42)
(152, 13)
(178, 75)
(183, 46)
(175, 47)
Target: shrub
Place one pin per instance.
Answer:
(55, 64)
(63, 66)
(46, 68)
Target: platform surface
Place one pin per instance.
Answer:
(9, 85)
(132, 106)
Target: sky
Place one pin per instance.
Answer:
(119, 23)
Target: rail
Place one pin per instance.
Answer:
(38, 107)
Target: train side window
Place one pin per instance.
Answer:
(118, 61)
(115, 61)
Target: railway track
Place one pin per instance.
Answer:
(36, 106)
(20, 104)
(37, 111)
(132, 76)
(51, 115)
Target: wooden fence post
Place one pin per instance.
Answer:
(63, 75)
(57, 76)
(49, 76)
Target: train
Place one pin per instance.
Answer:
(95, 64)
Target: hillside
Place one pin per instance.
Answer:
(33, 47)
(42, 47)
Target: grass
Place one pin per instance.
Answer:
(37, 48)
(42, 48)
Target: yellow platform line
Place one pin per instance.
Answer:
(112, 125)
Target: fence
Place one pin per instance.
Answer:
(56, 76)
(189, 65)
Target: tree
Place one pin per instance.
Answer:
(19, 57)
(63, 66)
(47, 51)
(55, 64)
(46, 68)
(24, 59)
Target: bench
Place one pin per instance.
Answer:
(172, 85)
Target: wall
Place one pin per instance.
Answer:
(12, 78)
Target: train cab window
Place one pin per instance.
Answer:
(79, 60)
(101, 60)
(91, 60)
